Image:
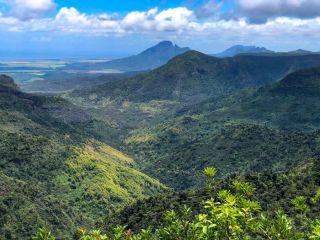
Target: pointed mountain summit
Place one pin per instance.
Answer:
(149, 59)
(240, 49)
(164, 50)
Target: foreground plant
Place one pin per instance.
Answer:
(231, 215)
(43, 234)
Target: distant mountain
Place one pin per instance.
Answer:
(240, 49)
(298, 52)
(149, 59)
(194, 76)
(302, 51)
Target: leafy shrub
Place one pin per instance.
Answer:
(231, 215)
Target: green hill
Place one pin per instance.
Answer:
(292, 103)
(194, 76)
(150, 98)
(179, 118)
(53, 172)
(260, 129)
(193, 112)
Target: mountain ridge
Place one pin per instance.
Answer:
(241, 49)
(150, 58)
(221, 132)
(196, 76)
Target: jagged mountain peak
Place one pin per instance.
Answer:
(241, 49)
(148, 59)
(164, 49)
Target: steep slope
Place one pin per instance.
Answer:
(273, 191)
(53, 172)
(253, 130)
(240, 49)
(293, 103)
(149, 59)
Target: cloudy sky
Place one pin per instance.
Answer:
(114, 28)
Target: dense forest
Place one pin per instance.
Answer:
(133, 156)
(54, 172)
(230, 213)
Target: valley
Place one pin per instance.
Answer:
(94, 151)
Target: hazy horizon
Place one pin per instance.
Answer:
(114, 29)
(104, 55)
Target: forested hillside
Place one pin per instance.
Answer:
(272, 190)
(134, 138)
(232, 147)
(179, 118)
(254, 130)
(53, 173)
(245, 207)
(291, 103)
(193, 76)
(118, 121)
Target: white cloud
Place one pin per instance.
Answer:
(71, 16)
(261, 10)
(167, 23)
(139, 20)
(28, 9)
(71, 20)
(34, 5)
(209, 8)
(173, 19)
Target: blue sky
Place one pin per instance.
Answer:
(117, 5)
(124, 6)
(116, 28)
